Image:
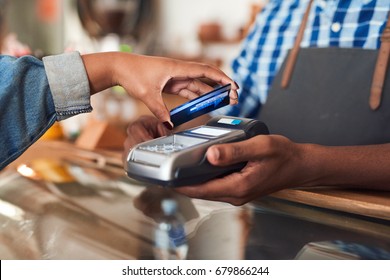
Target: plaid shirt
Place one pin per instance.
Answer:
(332, 23)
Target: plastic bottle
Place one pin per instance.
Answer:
(170, 237)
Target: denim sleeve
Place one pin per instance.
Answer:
(26, 105)
(68, 83)
(33, 96)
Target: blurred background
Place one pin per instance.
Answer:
(202, 30)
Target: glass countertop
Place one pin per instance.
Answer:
(66, 209)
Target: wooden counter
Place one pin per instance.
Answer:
(363, 202)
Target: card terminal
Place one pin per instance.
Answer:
(180, 159)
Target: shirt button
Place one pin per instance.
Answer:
(336, 26)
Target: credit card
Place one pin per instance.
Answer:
(204, 104)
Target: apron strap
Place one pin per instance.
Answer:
(382, 61)
(380, 67)
(290, 63)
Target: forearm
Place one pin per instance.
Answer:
(355, 166)
(132, 71)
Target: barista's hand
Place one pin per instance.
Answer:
(143, 129)
(274, 163)
(146, 77)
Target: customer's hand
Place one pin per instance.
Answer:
(146, 77)
(274, 163)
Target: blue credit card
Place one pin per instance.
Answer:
(204, 104)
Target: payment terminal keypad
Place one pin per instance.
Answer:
(163, 148)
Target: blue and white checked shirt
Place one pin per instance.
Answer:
(332, 23)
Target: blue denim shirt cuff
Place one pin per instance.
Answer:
(68, 83)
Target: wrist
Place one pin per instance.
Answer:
(100, 68)
(328, 166)
(313, 164)
(119, 67)
(116, 68)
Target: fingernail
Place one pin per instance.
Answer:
(237, 85)
(214, 153)
(168, 125)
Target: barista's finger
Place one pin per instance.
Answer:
(251, 149)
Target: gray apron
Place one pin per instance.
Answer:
(327, 99)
